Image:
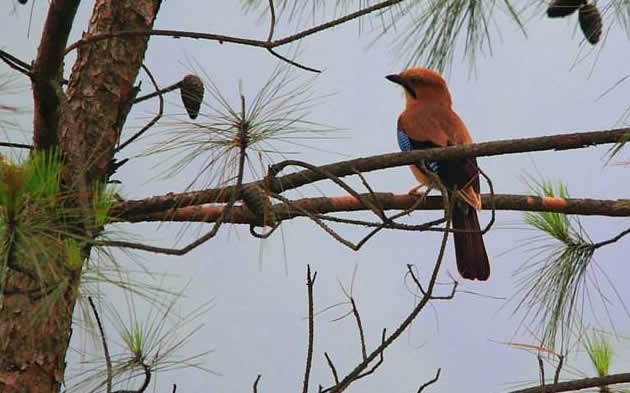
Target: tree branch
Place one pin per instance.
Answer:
(389, 201)
(46, 73)
(578, 384)
(350, 167)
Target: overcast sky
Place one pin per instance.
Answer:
(529, 86)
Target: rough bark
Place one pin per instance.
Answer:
(85, 121)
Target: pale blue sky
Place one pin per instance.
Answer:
(530, 86)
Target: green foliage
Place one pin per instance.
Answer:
(554, 286)
(42, 227)
(274, 122)
(600, 351)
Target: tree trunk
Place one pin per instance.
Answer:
(35, 322)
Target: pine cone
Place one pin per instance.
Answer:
(591, 23)
(191, 90)
(560, 8)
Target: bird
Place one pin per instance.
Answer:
(429, 121)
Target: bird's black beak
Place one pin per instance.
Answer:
(403, 82)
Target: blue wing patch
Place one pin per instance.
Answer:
(403, 141)
(405, 144)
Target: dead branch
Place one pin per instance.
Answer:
(108, 361)
(579, 384)
(310, 281)
(157, 116)
(431, 381)
(268, 44)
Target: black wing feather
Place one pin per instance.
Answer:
(453, 173)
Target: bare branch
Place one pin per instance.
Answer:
(157, 116)
(310, 281)
(332, 368)
(255, 387)
(108, 361)
(430, 382)
(357, 317)
(16, 145)
(579, 384)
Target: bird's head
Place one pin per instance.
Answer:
(422, 85)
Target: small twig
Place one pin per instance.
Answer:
(147, 378)
(252, 231)
(357, 317)
(272, 22)
(158, 92)
(430, 382)
(108, 361)
(611, 240)
(492, 202)
(157, 116)
(541, 367)
(332, 368)
(380, 359)
(556, 377)
(15, 63)
(16, 145)
(174, 388)
(255, 387)
(310, 281)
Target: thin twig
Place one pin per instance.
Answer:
(556, 377)
(612, 240)
(430, 382)
(332, 368)
(16, 145)
(15, 63)
(357, 317)
(541, 368)
(157, 116)
(108, 361)
(310, 281)
(255, 387)
(158, 92)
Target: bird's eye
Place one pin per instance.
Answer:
(415, 80)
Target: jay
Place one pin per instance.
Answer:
(429, 121)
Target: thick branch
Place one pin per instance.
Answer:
(351, 167)
(46, 73)
(578, 384)
(388, 201)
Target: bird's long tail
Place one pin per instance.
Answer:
(472, 260)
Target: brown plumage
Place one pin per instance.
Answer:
(429, 121)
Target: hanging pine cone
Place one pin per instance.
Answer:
(191, 90)
(560, 8)
(591, 23)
